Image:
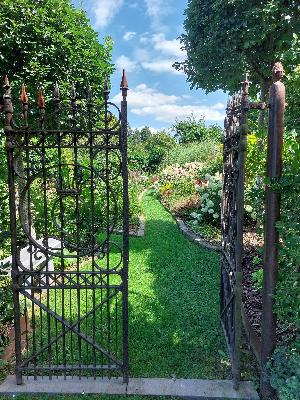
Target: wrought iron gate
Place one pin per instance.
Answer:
(235, 143)
(67, 167)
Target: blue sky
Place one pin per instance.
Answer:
(145, 36)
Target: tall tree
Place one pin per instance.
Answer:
(226, 38)
(50, 40)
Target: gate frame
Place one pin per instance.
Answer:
(236, 109)
(10, 132)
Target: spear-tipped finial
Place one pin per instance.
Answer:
(23, 95)
(124, 85)
(277, 72)
(56, 92)
(6, 86)
(106, 90)
(245, 85)
(41, 99)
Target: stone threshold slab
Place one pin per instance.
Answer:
(192, 388)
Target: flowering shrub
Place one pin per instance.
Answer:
(210, 191)
(176, 183)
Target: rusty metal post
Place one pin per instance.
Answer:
(272, 215)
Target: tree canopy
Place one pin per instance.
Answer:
(224, 39)
(50, 40)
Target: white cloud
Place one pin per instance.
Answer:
(167, 47)
(124, 62)
(152, 130)
(159, 54)
(161, 66)
(146, 101)
(105, 10)
(129, 35)
(156, 9)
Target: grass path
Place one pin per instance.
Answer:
(174, 328)
(174, 303)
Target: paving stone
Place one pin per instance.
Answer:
(186, 388)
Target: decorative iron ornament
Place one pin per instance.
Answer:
(71, 275)
(232, 223)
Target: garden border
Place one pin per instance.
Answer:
(193, 237)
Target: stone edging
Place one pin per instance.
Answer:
(193, 237)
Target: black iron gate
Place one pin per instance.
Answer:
(235, 143)
(68, 184)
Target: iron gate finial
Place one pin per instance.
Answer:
(124, 85)
(23, 95)
(277, 72)
(41, 99)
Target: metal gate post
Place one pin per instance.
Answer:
(8, 130)
(272, 215)
(124, 89)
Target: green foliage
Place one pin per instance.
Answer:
(139, 135)
(157, 147)
(224, 39)
(285, 371)
(257, 279)
(204, 152)
(50, 40)
(291, 58)
(192, 130)
(146, 151)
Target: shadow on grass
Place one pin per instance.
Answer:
(174, 303)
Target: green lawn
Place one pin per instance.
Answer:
(174, 303)
(174, 326)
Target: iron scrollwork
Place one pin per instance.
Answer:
(65, 168)
(232, 223)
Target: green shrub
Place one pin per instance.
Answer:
(210, 192)
(192, 130)
(204, 152)
(157, 147)
(285, 372)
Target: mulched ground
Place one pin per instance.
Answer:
(252, 297)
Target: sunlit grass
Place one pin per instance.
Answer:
(174, 328)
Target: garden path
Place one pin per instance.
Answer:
(173, 303)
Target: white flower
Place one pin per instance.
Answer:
(210, 203)
(194, 215)
(211, 211)
(215, 215)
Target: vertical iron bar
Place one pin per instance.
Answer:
(56, 99)
(75, 141)
(272, 216)
(41, 104)
(124, 89)
(243, 131)
(106, 93)
(92, 188)
(8, 130)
